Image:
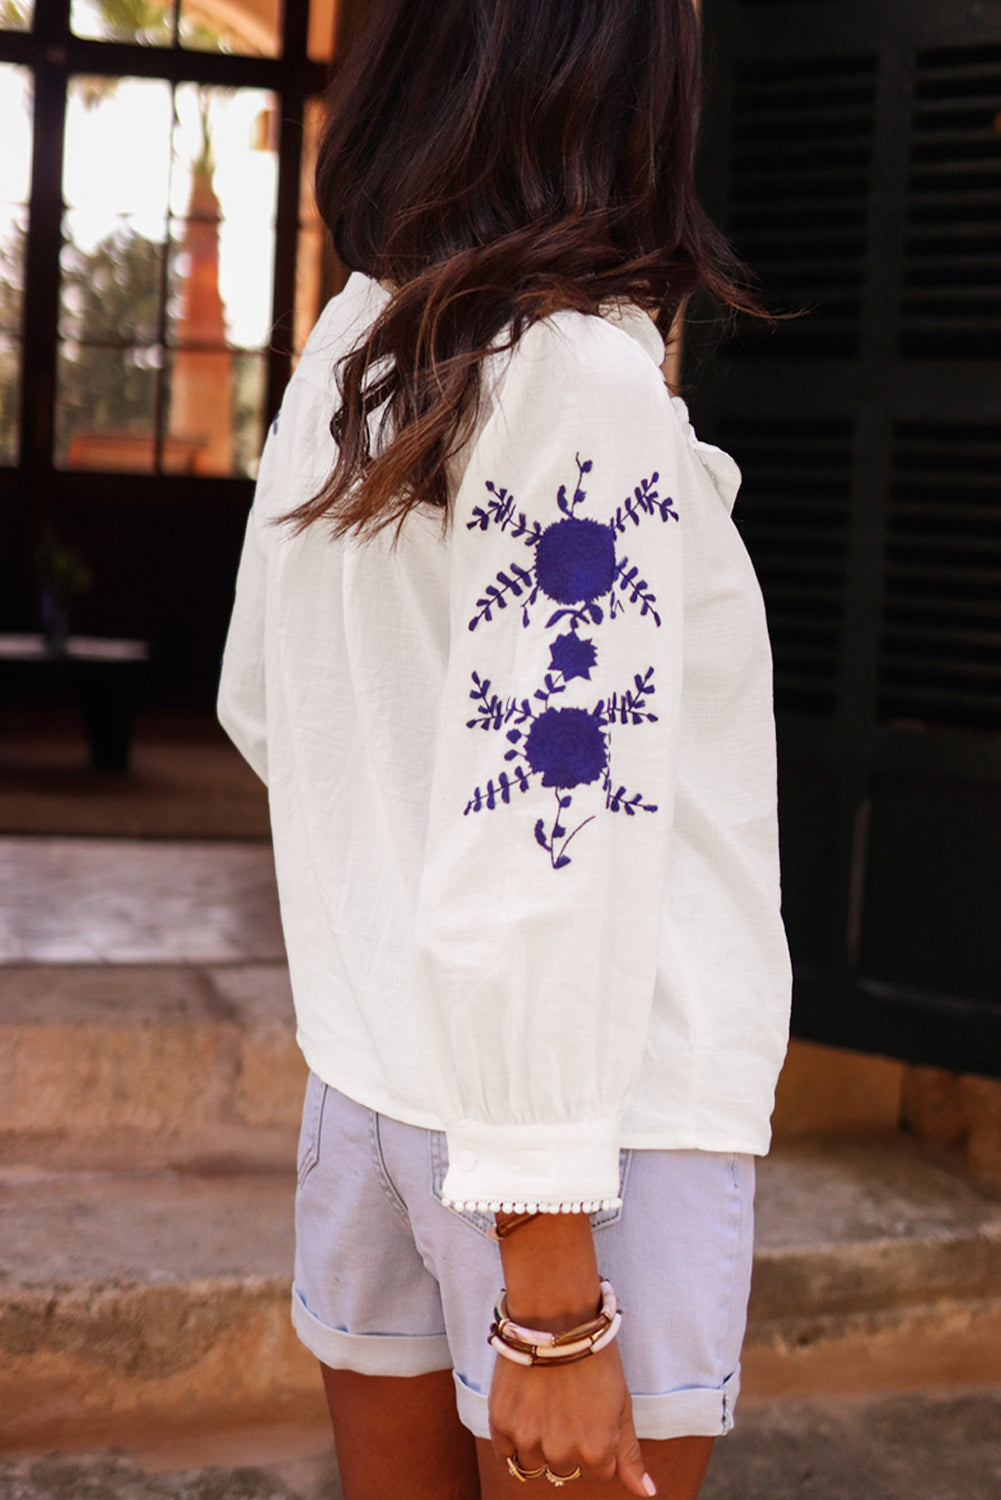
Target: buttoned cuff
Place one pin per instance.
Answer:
(533, 1168)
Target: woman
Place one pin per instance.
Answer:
(501, 658)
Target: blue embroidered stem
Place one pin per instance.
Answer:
(629, 706)
(500, 511)
(495, 597)
(559, 859)
(493, 711)
(486, 797)
(646, 499)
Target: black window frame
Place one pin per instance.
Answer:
(31, 489)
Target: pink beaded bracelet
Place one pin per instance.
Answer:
(532, 1346)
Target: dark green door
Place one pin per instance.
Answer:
(853, 152)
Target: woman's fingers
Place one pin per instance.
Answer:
(526, 1456)
(629, 1465)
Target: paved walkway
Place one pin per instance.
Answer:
(923, 1447)
(117, 901)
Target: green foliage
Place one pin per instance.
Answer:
(111, 329)
(138, 20)
(15, 15)
(11, 283)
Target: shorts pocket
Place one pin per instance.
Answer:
(483, 1223)
(312, 1124)
(438, 1145)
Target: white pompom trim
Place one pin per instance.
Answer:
(495, 1206)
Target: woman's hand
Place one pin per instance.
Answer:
(577, 1415)
(570, 1416)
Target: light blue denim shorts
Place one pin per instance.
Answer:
(388, 1281)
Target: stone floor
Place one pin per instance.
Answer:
(114, 901)
(185, 779)
(108, 903)
(932, 1446)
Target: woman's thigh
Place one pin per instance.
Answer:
(400, 1438)
(676, 1465)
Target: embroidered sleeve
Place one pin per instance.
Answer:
(540, 907)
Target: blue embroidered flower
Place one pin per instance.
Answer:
(572, 656)
(567, 746)
(575, 564)
(575, 561)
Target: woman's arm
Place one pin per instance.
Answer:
(540, 912)
(574, 1415)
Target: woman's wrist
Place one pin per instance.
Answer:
(550, 1272)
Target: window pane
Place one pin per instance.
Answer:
(111, 280)
(222, 272)
(321, 29)
(245, 26)
(248, 27)
(106, 415)
(117, 146)
(216, 406)
(16, 15)
(173, 250)
(223, 190)
(112, 288)
(10, 397)
(309, 255)
(149, 22)
(15, 133)
(15, 174)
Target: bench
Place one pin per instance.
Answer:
(104, 676)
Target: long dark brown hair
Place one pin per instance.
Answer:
(497, 160)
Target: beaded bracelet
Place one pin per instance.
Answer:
(531, 1346)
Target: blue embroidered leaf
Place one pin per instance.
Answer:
(620, 801)
(514, 735)
(558, 830)
(540, 834)
(486, 797)
(628, 581)
(494, 597)
(588, 465)
(565, 801)
(560, 863)
(595, 611)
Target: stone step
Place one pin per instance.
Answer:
(139, 1067)
(943, 1445)
(145, 1305)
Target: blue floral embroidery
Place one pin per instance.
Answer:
(564, 747)
(571, 656)
(575, 559)
(575, 565)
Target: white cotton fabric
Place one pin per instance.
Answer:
(546, 983)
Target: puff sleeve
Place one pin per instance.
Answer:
(541, 898)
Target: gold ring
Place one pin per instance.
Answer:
(559, 1479)
(517, 1472)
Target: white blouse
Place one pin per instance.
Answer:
(522, 773)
